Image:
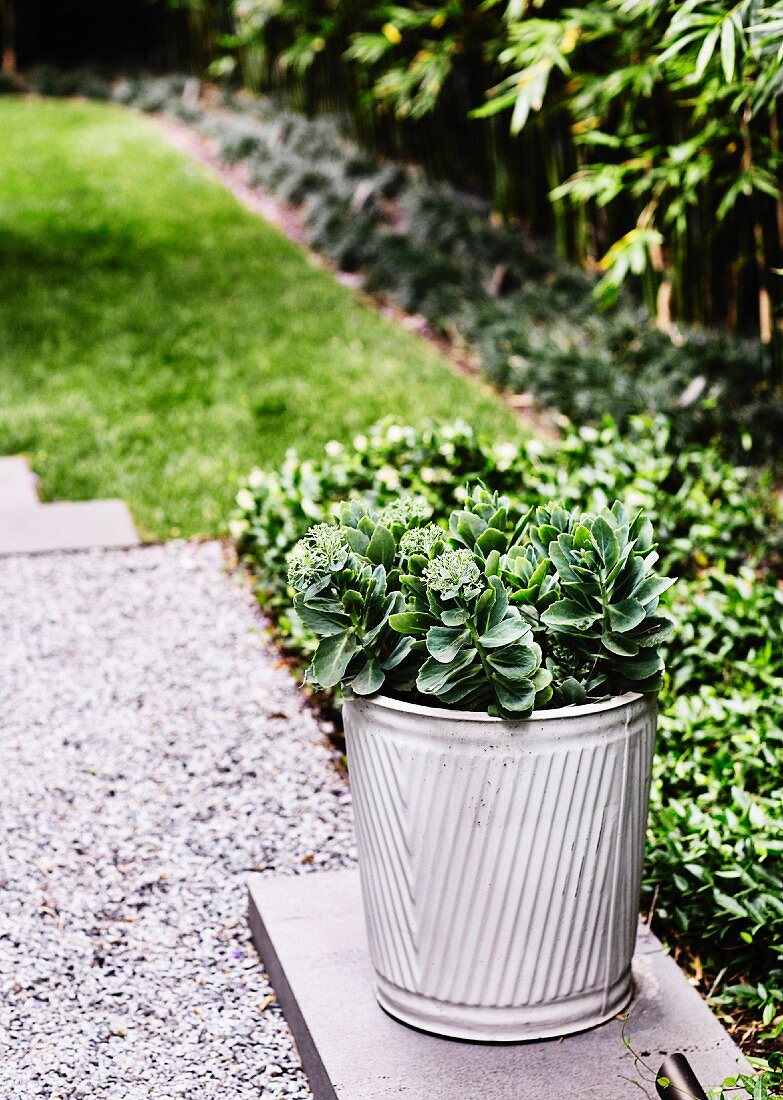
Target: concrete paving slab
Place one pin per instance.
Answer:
(18, 488)
(67, 525)
(309, 931)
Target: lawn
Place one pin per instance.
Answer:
(157, 339)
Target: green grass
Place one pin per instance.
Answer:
(157, 340)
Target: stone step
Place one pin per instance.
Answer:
(309, 931)
(18, 484)
(66, 525)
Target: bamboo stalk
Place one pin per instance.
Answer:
(8, 36)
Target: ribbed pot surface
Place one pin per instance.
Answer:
(501, 862)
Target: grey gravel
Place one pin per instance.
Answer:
(153, 750)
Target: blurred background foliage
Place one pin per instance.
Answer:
(643, 134)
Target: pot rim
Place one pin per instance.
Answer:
(444, 713)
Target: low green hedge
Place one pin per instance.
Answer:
(714, 871)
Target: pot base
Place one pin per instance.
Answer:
(503, 1024)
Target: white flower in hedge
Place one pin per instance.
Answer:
(422, 540)
(447, 450)
(322, 550)
(256, 478)
(395, 434)
(334, 449)
(453, 573)
(246, 500)
(389, 477)
(238, 528)
(360, 442)
(535, 447)
(505, 455)
(427, 475)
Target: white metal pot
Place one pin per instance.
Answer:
(501, 862)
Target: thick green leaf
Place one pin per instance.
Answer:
(617, 644)
(454, 617)
(382, 547)
(571, 692)
(486, 602)
(605, 541)
(651, 588)
(491, 540)
(434, 676)
(582, 537)
(470, 689)
(368, 679)
(517, 697)
(445, 642)
(499, 605)
(356, 539)
(322, 624)
(397, 653)
(468, 528)
(391, 605)
(376, 593)
(547, 534)
(540, 572)
(504, 633)
(655, 630)
(515, 662)
(492, 564)
(625, 616)
(569, 614)
(332, 658)
(642, 667)
(411, 622)
(353, 602)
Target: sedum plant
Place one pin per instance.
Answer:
(502, 611)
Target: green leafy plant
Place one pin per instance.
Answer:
(462, 614)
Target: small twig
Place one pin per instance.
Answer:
(715, 984)
(633, 1081)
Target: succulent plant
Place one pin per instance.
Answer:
(503, 612)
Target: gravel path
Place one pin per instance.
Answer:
(152, 751)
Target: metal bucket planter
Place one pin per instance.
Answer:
(501, 862)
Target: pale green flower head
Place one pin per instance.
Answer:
(422, 540)
(404, 510)
(322, 550)
(453, 573)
